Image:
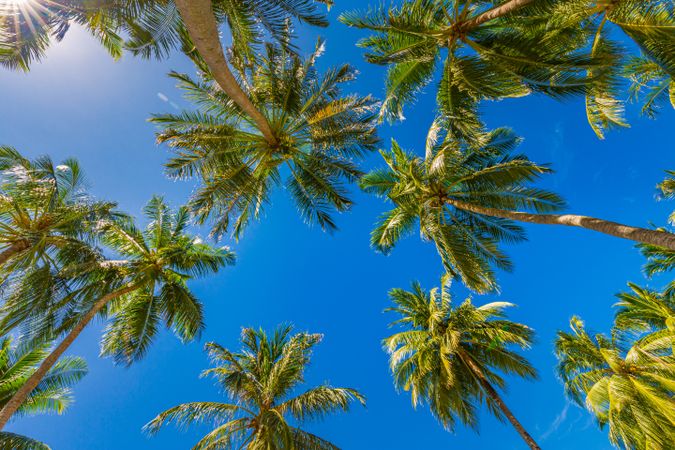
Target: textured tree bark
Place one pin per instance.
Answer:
(202, 27)
(644, 235)
(493, 13)
(494, 395)
(12, 250)
(20, 396)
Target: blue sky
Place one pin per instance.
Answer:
(80, 103)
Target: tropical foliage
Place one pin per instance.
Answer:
(262, 380)
(149, 28)
(627, 387)
(137, 293)
(452, 357)
(492, 50)
(422, 191)
(53, 395)
(45, 211)
(319, 133)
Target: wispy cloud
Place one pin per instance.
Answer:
(163, 97)
(557, 422)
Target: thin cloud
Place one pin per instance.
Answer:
(557, 422)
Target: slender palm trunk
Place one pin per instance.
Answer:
(644, 235)
(202, 27)
(493, 13)
(20, 396)
(494, 395)
(12, 250)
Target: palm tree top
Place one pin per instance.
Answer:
(448, 354)
(319, 134)
(262, 380)
(158, 262)
(426, 191)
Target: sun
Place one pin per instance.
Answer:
(15, 3)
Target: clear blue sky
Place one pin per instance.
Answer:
(80, 103)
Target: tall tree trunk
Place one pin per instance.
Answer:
(493, 13)
(202, 27)
(20, 396)
(644, 235)
(494, 395)
(12, 250)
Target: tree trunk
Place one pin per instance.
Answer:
(494, 395)
(643, 235)
(12, 250)
(202, 27)
(493, 13)
(20, 396)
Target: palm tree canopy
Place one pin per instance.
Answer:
(422, 190)
(430, 358)
(262, 381)
(157, 263)
(644, 310)
(152, 27)
(319, 130)
(629, 389)
(44, 210)
(159, 260)
(661, 260)
(541, 46)
(52, 395)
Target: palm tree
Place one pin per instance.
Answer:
(492, 50)
(139, 292)
(449, 356)
(646, 310)
(466, 199)
(660, 259)
(261, 380)
(52, 394)
(155, 27)
(44, 209)
(319, 130)
(648, 23)
(628, 389)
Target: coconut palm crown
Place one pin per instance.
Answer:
(628, 388)
(506, 56)
(319, 133)
(491, 50)
(44, 210)
(261, 380)
(422, 191)
(452, 356)
(139, 293)
(53, 395)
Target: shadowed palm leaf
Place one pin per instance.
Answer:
(261, 380)
(319, 133)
